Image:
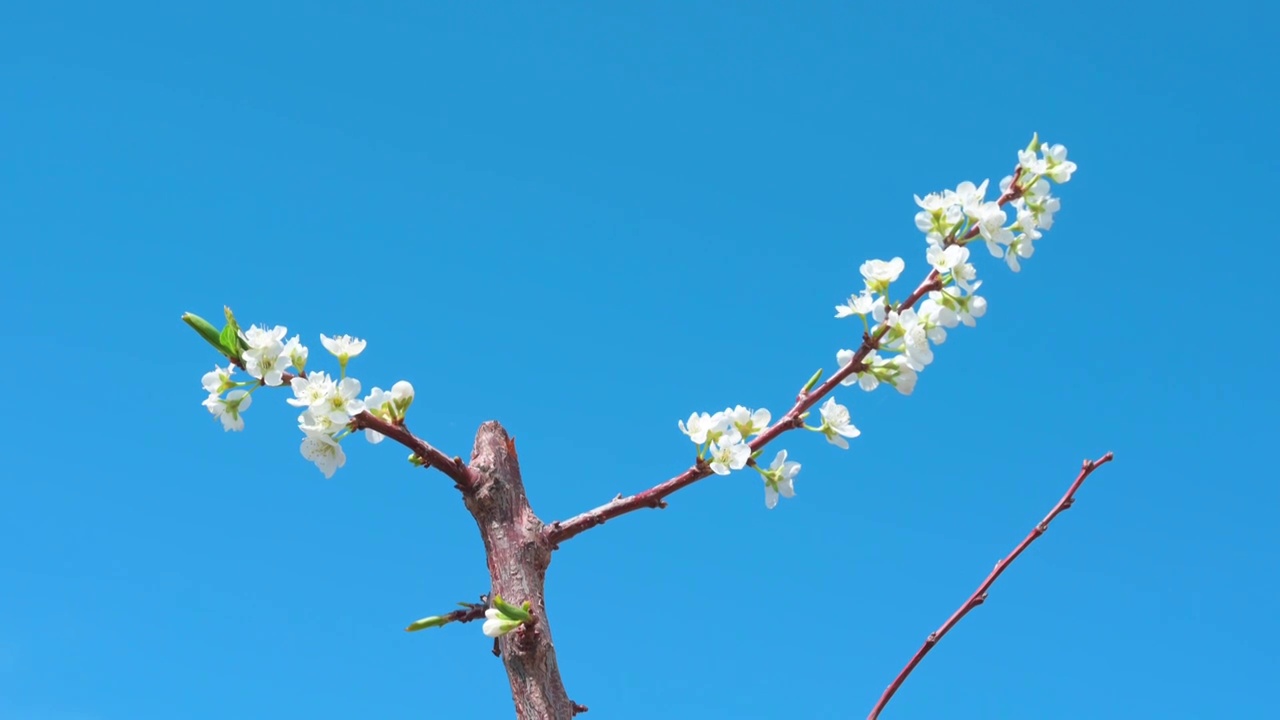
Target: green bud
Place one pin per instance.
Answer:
(812, 381)
(429, 622)
(202, 326)
(511, 611)
(1034, 145)
(415, 461)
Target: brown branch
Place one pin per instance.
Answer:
(454, 467)
(428, 455)
(980, 595)
(562, 530)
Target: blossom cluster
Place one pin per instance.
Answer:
(905, 334)
(329, 404)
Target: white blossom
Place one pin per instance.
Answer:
(729, 453)
(228, 409)
(218, 379)
(1060, 168)
(703, 426)
(265, 358)
(912, 335)
(866, 379)
(836, 424)
(497, 624)
(343, 347)
(324, 451)
(779, 479)
(879, 273)
(748, 422)
(862, 304)
(904, 376)
(296, 352)
(313, 390)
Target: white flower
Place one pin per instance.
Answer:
(1031, 163)
(344, 347)
(228, 410)
(947, 260)
(344, 402)
(904, 377)
(378, 403)
(836, 424)
(780, 479)
(311, 391)
(496, 624)
(1020, 247)
(312, 421)
(264, 358)
(260, 338)
(970, 197)
(991, 226)
(1027, 224)
(937, 315)
(913, 334)
(1044, 211)
(860, 304)
(972, 306)
(296, 352)
(748, 422)
(324, 451)
(1059, 167)
(935, 202)
(703, 427)
(879, 273)
(402, 393)
(389, 406)
(964, 274)
(865, 379)
(729, 453)
(218, 379)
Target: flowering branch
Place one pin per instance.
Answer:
(562, 530)
(518, 546)
(980, 595)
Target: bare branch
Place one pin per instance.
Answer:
(430, 457)
(980, 595)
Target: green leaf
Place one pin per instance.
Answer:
(428, 622)
(230, 340)
(202, 326)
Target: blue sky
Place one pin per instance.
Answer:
(587, 221)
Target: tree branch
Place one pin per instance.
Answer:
(430, 457)
(561, 530)
(980, 595)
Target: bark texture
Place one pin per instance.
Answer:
(518, 553)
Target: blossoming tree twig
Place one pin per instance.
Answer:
(518, 546)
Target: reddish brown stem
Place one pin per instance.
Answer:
(980, 595)
(562, 530)
(430, 457)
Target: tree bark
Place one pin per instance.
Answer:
(518, 553)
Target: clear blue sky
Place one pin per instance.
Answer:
(586, 221)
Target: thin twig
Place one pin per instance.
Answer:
(980, 595)
(430, 457)
(562, 530)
